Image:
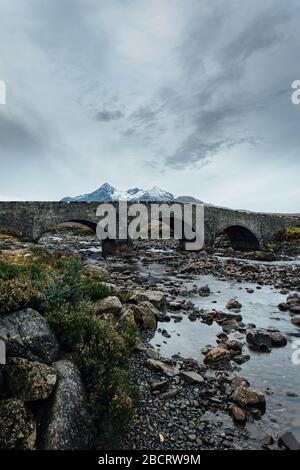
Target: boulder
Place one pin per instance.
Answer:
(241, 358)
(267, 440)
(278, 339)
(64, 425)
(295, 310)
(160, 387)
(17, 426)
(191, 377)
(233, 304)
(234, 345)
(92, 270)
(283, 306)
(239, 381)
(27, 380)
(159, 366)
(238, 414)
(204, 291)
(111, 304)
(126, 316)
(157, 298)
(296, 320)
(216, 355)
(248, 397)
(152, 353)
(145, 315)
(229, 325)
(264, 256)
(259, 339)
(27, 334)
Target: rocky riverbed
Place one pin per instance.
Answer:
(214, 364)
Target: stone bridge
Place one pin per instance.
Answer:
(246, 230)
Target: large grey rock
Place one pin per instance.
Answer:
(248, 397)
(28, 380)
(64, 426)
(192, 377)
(145, 315)
(126, 316)
(27, 334)
(95, 271)
(233, 304)
(159, 366)
(17, 426)
(111, 304)
(157, 298)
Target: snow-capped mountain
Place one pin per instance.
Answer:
(106, 192)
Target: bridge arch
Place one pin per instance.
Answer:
(49, 228)
(241, 237)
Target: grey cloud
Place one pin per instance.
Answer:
(224, 102)
(16, 137)
(108, 115)
(147, 114)
(194, 150)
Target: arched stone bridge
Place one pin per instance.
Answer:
(246, 230)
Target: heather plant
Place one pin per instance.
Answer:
(15, 295)
(102, 350)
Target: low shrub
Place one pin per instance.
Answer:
(288, 234)
(96, 290)
(65, 287)
(10, 271)
(15, 295)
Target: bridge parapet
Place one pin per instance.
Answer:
(30, 220)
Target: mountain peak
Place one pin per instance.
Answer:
(106, 186)
(106, 192)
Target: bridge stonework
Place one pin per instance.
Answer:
(30, 220)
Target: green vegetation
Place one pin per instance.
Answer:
(102, 351)
(285, 238)
(288, 234)
(57, 286)
(15, 295)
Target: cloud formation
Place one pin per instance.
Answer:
(190, 96)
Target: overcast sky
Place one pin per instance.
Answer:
(193, 96)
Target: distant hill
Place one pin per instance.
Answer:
(188, 199)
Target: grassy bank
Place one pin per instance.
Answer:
(60, 287)
(288, 238)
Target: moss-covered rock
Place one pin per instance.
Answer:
(248, 397)
(109, 305)
(17, 426)
(92, 270)
(15, 295)
(27, 380)
(157, 298)
(126, 316)
(145, 315)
